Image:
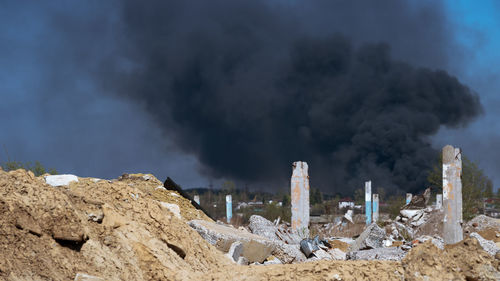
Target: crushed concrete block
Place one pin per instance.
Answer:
(255, 248)
(372, 237)
(289, 253)
(487, 245)
(173, 208)
(60, 180)
(235, 250)
(412, 214)
(337, 254)
(85, 277)
(263, 227)
(389, 254)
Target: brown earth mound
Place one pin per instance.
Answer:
(114, 230)
(465, 260)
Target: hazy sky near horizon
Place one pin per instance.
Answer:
(55, 109)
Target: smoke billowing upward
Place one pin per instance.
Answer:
(251, 86)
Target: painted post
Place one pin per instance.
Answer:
(452, 195)
(439, 201)
(375, 207)
(229, 208)
(197, 199)
(409, 196)
(300, 198)
(368, 202)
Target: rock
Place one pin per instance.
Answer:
(372, 237)
(173, 208)
(487, 245)
(322, 255)
(235, 251)
(389, 254)
(95, 217)
(288, 253)
(60, 180)
(85, 277)
(265, 228)
(242, 261)
(348, 216)
(412, 214)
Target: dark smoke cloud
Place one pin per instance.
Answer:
(249, 87)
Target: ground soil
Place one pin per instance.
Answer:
(119, 230)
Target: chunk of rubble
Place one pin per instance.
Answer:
(437, 241)
(85, 277)
(173, 208)
(371, 238)
(255, 248)
(386, 254)
(481, 223)
(60, 180)
(235, 251)
(263, 227)
(272, 260)
(489, 246)
(337, 254)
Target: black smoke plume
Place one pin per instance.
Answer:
(251, 86)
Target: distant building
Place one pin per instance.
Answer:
(346, 203)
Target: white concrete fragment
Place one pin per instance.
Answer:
(274, 260)
(173, 208)
(488, 246)
(411, 213)
(160, 187)
(85, 277)
(174, 194)
(348, 216)
(337, 254)
(60, 180)
(235, 251)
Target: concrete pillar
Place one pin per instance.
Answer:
(375, 208)
(368, 202)
(452, 195)
(409, 196)
(197, 199)
(439, 201)
(300, 198)
(229, 208)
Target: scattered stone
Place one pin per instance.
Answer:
(487, 245)
(60, 180)
(371, 238)
(389, 254)
(95, 217)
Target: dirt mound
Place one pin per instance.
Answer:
(115, 230)
(465, 260)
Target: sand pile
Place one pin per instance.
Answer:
(114, 230)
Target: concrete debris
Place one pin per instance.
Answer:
(310, 246)
(242, 261)
(337, 254)
(489, 246)
(263, 227)
(437, 241)
(348, 216)
(371, 238)
(235, 251)
(289, 253)
(85, 277)
(481, 223)
(255, 248)
(272, 260)
(60, 180)
(95, 217)
(388, 254)
(173, 208)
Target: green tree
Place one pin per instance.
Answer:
(475, 185)
(38, 169)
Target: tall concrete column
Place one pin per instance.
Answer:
(452, 195)
(409, 196)
(300, 198)
(368, 202)
(229, 208)
(197, 199)
(375, 208)
(439, 201)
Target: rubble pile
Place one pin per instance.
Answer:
(133, 228)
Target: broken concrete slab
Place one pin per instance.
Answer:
(60, 180)
(489, 246)
(337, 254)
(265, 228)
(255, 248)
(388, 254)
(235, 251)
(372, 237)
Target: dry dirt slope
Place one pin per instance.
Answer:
(119, 230)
